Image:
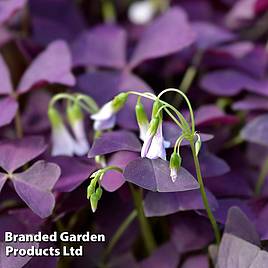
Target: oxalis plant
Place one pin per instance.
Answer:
(154, 146)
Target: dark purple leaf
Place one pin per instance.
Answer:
(230, 82)
(191, 232)
(49, 23)
(162, 204)
(232, 184)
(212, 114)
(256, 130)
(165, 257)
(210, 35)
(200, 261)
(6, 83)
(8, 8)
(52, 66)
(16, 153)
(261, 223)
(251, 103)
(8, 110)
(237, 253)
(210, 164)
(154, 175)
(113, 180)
(238, 224)
(161, 38)
(34, 117)
(114, 141)
(34, 187)
(14, 261)
(102, 46)
(73, 173)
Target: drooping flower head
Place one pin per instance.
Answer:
(62, 141)
(142, 119)
(76, 121)
(154, 144)
(174, 165)
(105, 118)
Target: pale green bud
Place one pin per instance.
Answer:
(140, 113)
(197, 144)
(99, 193)
(119, 101)
(154, 125)
(74, 113)
(54, 117)
(94, 202)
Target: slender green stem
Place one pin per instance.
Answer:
(204, 195)
(119, 232)
(108, 11)
(261, 178)
(187, 101)
(146, 231)
(18, 125)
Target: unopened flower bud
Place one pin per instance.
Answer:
(141, 119)
(99, 193)
(94, 202)
(119, 101)
(174, 165)
(54, 117)
(90, 190)
(157, 105)
(74, 113)
(197, 144)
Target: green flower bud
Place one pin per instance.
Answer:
(54, 117)
(156, 107)
(175, 161)
(174, 165)
(198, 144)
(74, 113)
(90, 190)
(99, 193)
(94, 202)
(154, 125)
(140, 113)
(119, 101)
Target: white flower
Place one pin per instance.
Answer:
(153, 146)
(105, 118)
(82, 145)
(62, 141)
(141, 12)
(173, 174)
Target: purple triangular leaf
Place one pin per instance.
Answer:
(34, 187)
(15, 261)
(230, 82)
(200, 261)
(102, 46)
(251, 103)
(256, 130)
(113, 180)
(110, 142)
(162, 204)
(8, 110)
(237, 253)
(16, 153)
(165, 257)
(168, 34)
(154, 175)
(209, 35)
(238, 224)
(191, 232)
(6, 83)
(52, 66)
(73, 173)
